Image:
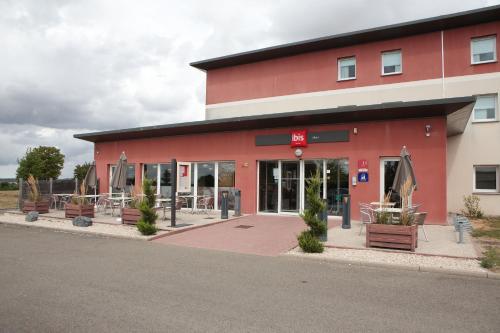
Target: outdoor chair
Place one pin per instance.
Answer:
(419, 221)
(206, 204)
(366, 215)
(54, 200)
(101, 202)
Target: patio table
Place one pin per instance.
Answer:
(382, 204)
(164, 202)
(194, 201)
(62, 196)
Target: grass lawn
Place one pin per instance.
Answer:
(8, 199)
(487, 232)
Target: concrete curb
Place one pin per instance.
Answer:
(418, 268)
(82, 231)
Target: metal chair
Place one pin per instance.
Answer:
(419, 221)
(366, 215)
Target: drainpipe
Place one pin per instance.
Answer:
(442, 65)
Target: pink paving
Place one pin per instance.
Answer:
(268, 235)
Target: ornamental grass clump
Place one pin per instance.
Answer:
(308, 239)
(407, 216)
(147, 224)
(34, 192)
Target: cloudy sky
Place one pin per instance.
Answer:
(85, 65)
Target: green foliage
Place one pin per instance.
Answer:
(146, 229)
(308, 243)
(8, 186)
(491, 258)
(382, 217)
(472, 209)
(146, 225)
(80, 171)
(311, 216)
(42, 162)
(149, 192)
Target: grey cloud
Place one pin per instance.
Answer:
(85, 65)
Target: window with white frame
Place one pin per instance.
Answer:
(485, 108)
(483, 50)
(486, 178)
(347, 68)
(392, 62)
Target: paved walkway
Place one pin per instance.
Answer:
(255, 234)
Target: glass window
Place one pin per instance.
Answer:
(268, 186)
(151, 173)
(483, 50)
(130, 178)
(347, 68)
(165, 180)
(486, 178)
(226, 182)
(206, 178)
(391, 62)
(485, 108)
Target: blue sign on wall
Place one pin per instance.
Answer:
(363, 177)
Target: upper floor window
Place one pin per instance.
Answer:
(483, 50)
(485, 108)
(392, 62)
(347, 68)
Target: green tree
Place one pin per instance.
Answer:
(80, 171)
(146, 225)
(42, 162)
(308, 240)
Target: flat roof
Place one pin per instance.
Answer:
(443, 22)
(343, 114)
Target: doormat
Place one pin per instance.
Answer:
(244, 226)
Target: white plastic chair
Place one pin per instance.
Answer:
(366, 214)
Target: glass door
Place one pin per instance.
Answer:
(290, 186)
(337, 184)
(388, 167)
(310, 169)
(268, 186)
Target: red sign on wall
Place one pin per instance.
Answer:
(299, 139)
(363, 164)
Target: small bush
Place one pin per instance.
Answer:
(146, 228)
(472, 209)
(491, 258)
(308, 243)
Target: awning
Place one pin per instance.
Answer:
(344, 114)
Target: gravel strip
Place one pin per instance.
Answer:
(408, 260)
(121, 231)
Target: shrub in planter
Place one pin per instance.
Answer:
(146, 224)
(400, 235)
(311, 217)
(79, 206)
(132, 214)
(35, 202)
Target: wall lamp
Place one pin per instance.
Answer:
(428, 130)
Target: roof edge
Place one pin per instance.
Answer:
(443, 22)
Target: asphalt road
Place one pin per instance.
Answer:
(59, 282)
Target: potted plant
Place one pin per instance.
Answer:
(79, 205)
(399, 234)
(132, 214)
(35, 202)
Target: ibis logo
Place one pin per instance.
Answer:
(298, 139)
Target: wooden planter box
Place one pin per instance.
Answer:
(392, 236)
(130, 215)
(39, 206)
(73, 210)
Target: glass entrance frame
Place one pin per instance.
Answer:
(334, 183)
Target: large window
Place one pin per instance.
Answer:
(151, 173)
(486, 178)
(206, 178)
(392, 62)
(483, 50)
(129, 182)
(160, 176)
(226, 182)
(485, 108)
(347, 68)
